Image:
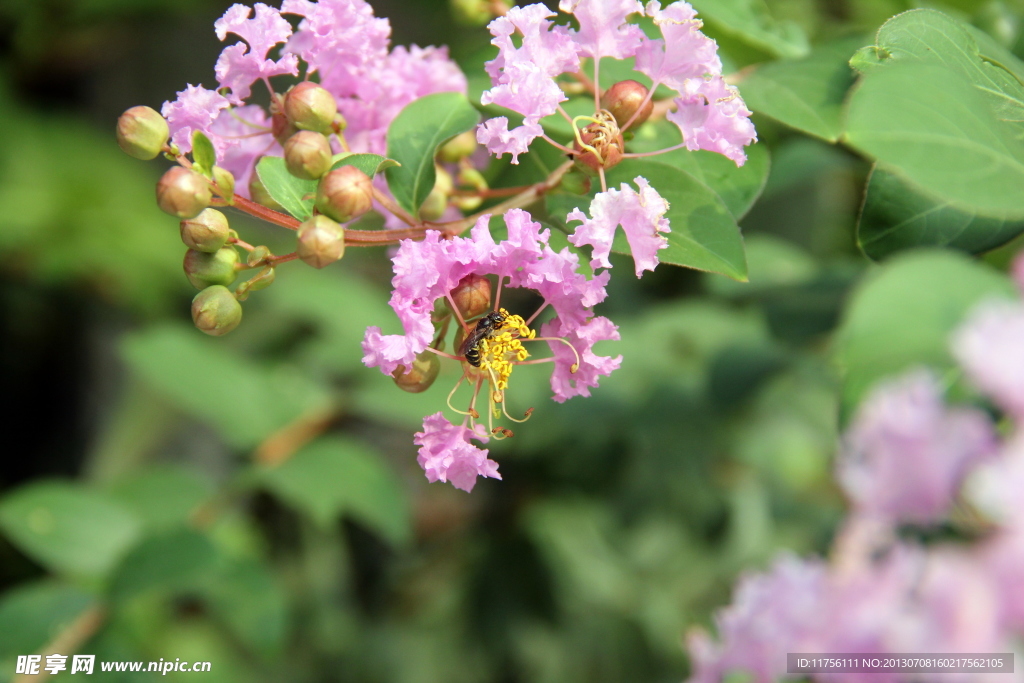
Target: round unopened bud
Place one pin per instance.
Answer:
(470, 177)
(458, 148)
(203, 269)
(604, 145)
(209, 231)
(623, 100)
(472, 296)
(142, 132)
(225, 182)
(183, 193)
(422, 374)
(281, 127)
(321, 241)
(437, 201)
(344, 193)
(258, 193)
(310, 107)
(215, 310)
(307, 155)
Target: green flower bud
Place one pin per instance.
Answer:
(225, 182)
(472, 296)
(203, 269)
(307, 155)
(258, 193)
(575, 182)
(321, 241)
(344, 193)
(473, 178)
(257, 256)
(437, 201)
(421, 376)
(263, 279)
(339, 124)
(215, 310)
(209, 231)
(183, 193)
(310, 107)
(142, 132)
(458, 148)
(623, 99)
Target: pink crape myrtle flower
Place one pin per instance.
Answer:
(990, 347)
(242, 64)
(641, 215)
(427, 271)
(195, 109)
(447, 455)
(906, 454)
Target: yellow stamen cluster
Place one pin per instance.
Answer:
(501, 351)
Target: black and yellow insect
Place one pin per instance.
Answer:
(485, 329)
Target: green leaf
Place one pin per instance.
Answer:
(170, 561)
(704, 233)
(903, 313)
(245, 400)
(931, 37)
(897, 216)
(751, 22)
(738, 186)
(806, 94)
(333, 476)
(31, 615)
(370, 164)
(413, 138)
(294, 194)
(163, 496)
(244, 594)
(67, 528)
(204, 157)
(931, 127)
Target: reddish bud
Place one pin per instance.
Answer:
(281, 127)
(604, 145)
(142, 132)
(472, 296)
(307, 155)
(309, 107)
(208, 232)
(344, 193)
(421, 376)
(204, 270)
(183, 193)
(215, 311)
(321, 241)
(624, 99)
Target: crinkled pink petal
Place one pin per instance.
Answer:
(604, 31)
(564, 382)
(238, 130)
(711, 115)
(446, 453)
(990, 347)
(555, 277)
(524, 244)
(526, 90)
(684, 54)
(641, 215)
(388, 351)
(241, 65)
(195, 109)
(498, 139)
(906, 454)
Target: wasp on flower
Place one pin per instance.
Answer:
(437, 270)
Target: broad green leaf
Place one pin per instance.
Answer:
(897, 216)
(704, 233)
(772, 263)
(163, 496)
(204, 157)
(31, 615)
(245, 595)
(169, 561)
(931, 37)
(751, 22)
(929, 126)
(333, 476)
(413, 138)
(245, 400)
(806, 94)
(903, 313)
(67, 528)
(294, 194)
(370, 164)
(738, 186)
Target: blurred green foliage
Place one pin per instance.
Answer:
(192, 510)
